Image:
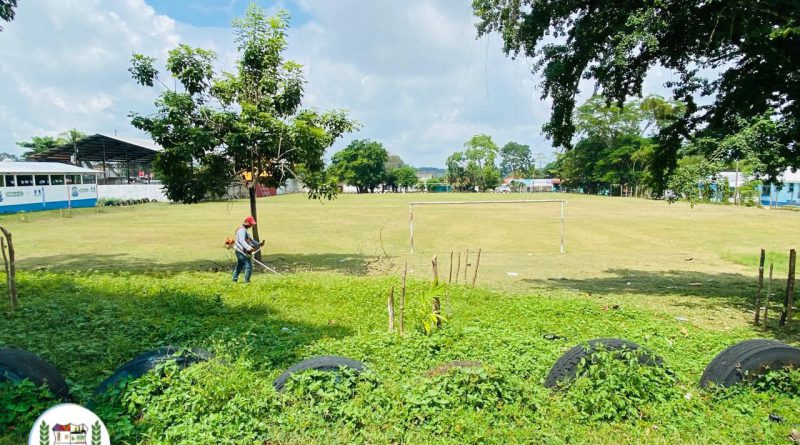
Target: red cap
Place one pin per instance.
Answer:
(250, 220)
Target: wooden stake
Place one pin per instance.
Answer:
(766, 297)
(403, 299)
(760, 286)
(788, 299)
(466, 266)
(450, 279)
(477, 265)
(11, 268)
(448, 309)
(458, 268)
(8, 274)
(436, 304)
(390, 304)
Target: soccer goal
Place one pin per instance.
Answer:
(561, 203)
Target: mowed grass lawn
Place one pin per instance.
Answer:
(698, 263)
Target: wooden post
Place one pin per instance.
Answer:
(466, 266)
(760, 285)
(788, 299)
(458, 268)
(403, 299)
(11, 269)
(436, 304)
(766, 297)
(450, 279)
(477, 265)
(391, 310)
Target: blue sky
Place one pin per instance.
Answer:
(412, 72)
(220, 13)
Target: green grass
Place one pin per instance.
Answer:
(102, 286)
(644, 253)
(261, 329)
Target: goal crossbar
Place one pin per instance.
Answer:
(515, 201)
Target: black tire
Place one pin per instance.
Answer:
(327, 363)
(17, 365)
(139, 365)
(748, 358)
(566, 368)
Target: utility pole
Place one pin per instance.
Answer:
(736, 185)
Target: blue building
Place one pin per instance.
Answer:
(786, 195)
(31, 186)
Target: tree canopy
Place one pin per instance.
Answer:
(475, 166)
(39, 144)
(215, 126)
(753, 46)
(7, 10)
(517, 160)
(361, 164)
(615, 151)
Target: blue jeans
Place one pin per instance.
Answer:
(242, 262)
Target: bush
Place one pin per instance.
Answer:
(615, 386)
(21, 403)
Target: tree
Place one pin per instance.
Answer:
(517, 159)
(394, 162)
(39, 144)
(218, 126)
(361, 164)
(693, 180)
(7, 10)
(456, 174)
(406, 176)
(751, 45)
(480, 153)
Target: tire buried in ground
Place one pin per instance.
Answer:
(327, 363)
(748, 358)
(139, 365)
(566, 368)
(17, 365)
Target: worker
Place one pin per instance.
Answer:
(245, 245)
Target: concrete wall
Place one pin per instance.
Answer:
(132, 191)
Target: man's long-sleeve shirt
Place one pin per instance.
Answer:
(244, 242)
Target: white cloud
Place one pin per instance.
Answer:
(412, 72)
(63, 64)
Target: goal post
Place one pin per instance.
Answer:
(515, 201)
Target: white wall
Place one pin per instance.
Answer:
(132, 191)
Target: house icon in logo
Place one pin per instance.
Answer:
(69, 434)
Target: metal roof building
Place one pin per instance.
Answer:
(7, 167)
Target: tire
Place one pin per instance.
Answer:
(566, 368)
(327, 363)
(750, 357)
(139, 365)
(17, 365)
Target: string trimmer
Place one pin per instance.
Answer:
(230, 244)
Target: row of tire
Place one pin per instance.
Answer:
(127, 202)
(729, 367)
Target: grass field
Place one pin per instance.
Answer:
(676, 279)
(696, 262)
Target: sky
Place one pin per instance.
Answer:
(412, 72)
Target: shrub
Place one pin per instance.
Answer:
(21, 403)
(613, 385)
